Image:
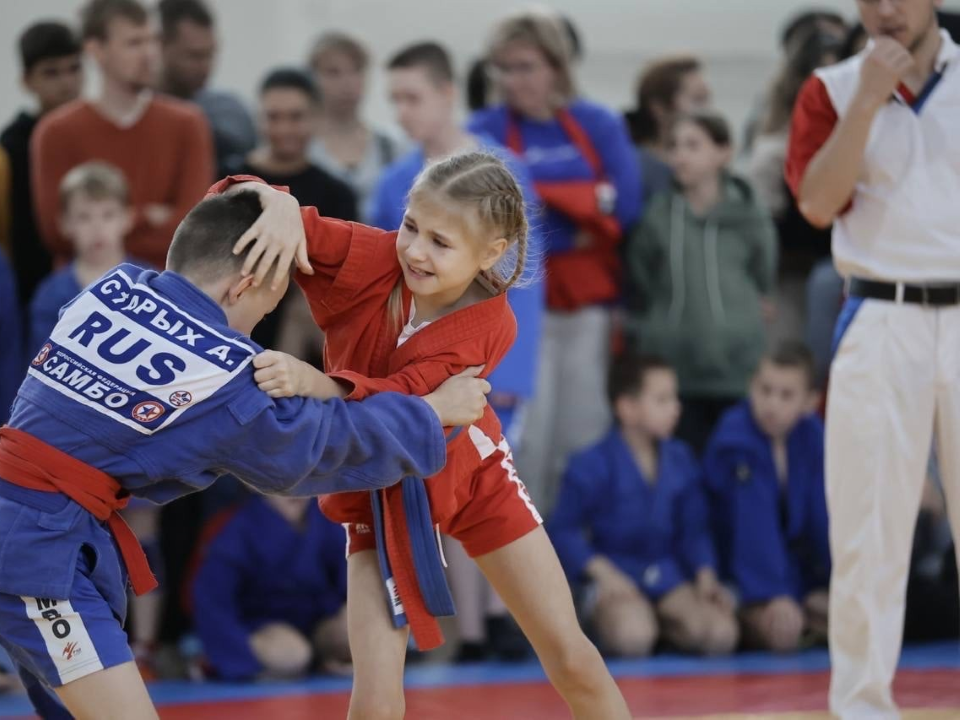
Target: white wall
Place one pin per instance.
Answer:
(737, 38)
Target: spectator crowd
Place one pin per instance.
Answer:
(664, 400)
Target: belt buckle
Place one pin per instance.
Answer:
(924, 295)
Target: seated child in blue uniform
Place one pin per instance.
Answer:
(269, 597)
(764, 469)
(147, 388)
(95, 214)
(632, 520)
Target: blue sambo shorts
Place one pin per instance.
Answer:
(60, 640)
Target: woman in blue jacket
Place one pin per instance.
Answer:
(585, 172)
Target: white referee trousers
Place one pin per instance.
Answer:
(895, 380)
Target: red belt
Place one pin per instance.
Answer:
(31, 463)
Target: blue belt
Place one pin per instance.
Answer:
(424, 547)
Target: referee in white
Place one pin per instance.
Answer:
(875, 149)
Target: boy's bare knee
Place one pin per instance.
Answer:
(722, 637)
(628, 637)
(783, 642)
(635, 639)
(695, 627)
(785, 627)
(282, 650)
(627, 630)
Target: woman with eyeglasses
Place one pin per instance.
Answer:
(585, 171)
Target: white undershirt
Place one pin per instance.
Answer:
(410, 329)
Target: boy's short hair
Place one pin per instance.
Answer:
(94, 180)
(96, 16)
(202, 246)
(628, 373)
(174, 12)
(795, 355)
(290, 78)
(46, 41)
(430, 56)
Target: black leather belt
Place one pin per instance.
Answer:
(934, 295)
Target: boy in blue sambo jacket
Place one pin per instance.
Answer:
(764, 468)
(632, 520)
(146, 388)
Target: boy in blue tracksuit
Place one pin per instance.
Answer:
(146, 388)
(764, 468)
(270, 591)
(632, 520)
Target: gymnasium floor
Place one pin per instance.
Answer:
(795, 688)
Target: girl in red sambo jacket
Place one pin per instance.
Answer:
(403, 311)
